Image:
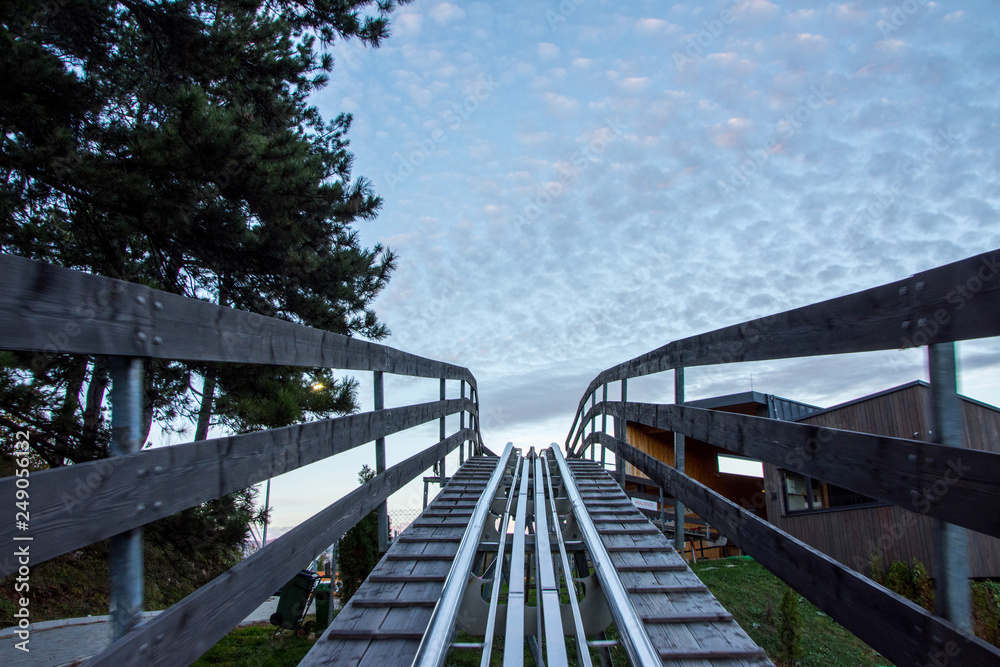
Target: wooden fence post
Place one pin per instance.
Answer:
(593, 424)
(604, 421)
(125, 601)
(679, 465)
(383, 509)
(442, 431)
(622, 428)
(461, 423)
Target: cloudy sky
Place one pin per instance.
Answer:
(571, 184)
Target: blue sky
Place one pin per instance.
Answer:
(571, 184)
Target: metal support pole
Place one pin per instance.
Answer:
(663, 516)
(679, 464)
(442, 432)
(125, 601)
(461, 424)
(333, 581)
(604, 420)
(951, 580)
(383, 509)
(267, 520)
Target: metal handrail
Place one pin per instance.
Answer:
(436, 641)
(633, 635)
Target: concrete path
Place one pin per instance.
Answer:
(57, 643)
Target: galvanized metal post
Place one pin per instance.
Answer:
(442, 432)
(333, 581)
(679, 464)
(604, 421)
(125, 601)
(951, 581)
(383, 509)
(461, 423)
(267, 520)
(663, 516)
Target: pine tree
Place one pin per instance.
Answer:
(358, 552)
(172, 144)
(790, 628)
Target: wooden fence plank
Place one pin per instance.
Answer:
(52, 309)
(903, 632)
(923, 477)
(186, 630)
(77, 505)
(958, 301)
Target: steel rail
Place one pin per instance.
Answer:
(491, 620)
(436, 642)
(545, 581)
(582, 654)
(513, 646)
(633, 635)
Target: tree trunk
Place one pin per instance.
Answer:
(92, 413)
(205, 412)
(71, 401)
(65, 423)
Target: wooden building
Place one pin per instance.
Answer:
(708, 464)
(855, 529)
(847, 526)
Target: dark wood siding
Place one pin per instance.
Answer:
(852, 536)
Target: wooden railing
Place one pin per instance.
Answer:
(53, 310)
(959, 301)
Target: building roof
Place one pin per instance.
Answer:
(777, 407)
(892, 390)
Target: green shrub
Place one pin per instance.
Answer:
(877, 566)
(923, 586)
(912, 582)
(790, 628)
(986, 610)
(900, 580)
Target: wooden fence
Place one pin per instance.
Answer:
(52, 310)
(960, 487)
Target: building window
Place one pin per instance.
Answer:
(738, 465)
(805, 494)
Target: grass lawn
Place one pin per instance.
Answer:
(251, 646)
(753, 596)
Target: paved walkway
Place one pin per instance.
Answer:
(56, 643)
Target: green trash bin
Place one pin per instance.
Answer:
(294, 600)
(322, 595)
